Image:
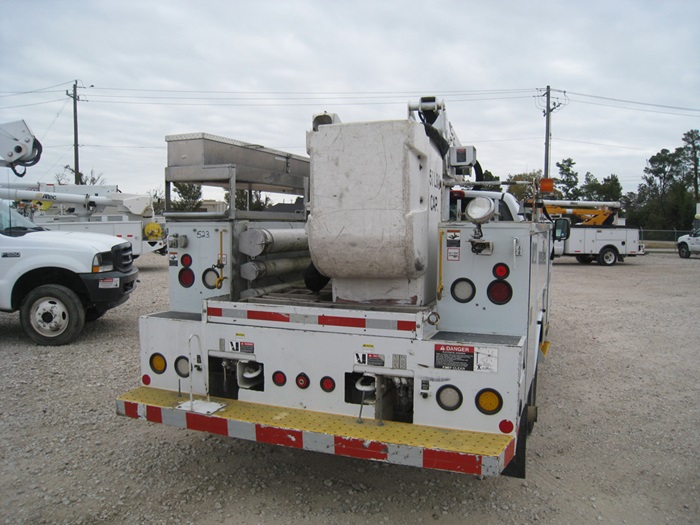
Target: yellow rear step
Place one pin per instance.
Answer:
(478, 453)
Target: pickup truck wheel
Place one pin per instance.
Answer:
(52, 315)
(683, 251)
(607, 257)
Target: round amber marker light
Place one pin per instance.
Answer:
(489, 401)
(158, 363)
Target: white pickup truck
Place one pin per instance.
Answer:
(689, 244)
(59, 279)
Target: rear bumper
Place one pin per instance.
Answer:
(476, 453)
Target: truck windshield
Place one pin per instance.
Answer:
(14, 224)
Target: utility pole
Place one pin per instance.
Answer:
(547, 112)
(76, 156)
(549, 109)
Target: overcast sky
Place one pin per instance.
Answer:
(626, 73)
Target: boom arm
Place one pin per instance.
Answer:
(18, 147)
(592, 213)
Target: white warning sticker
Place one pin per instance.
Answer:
(486, 360)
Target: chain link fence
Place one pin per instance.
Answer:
(661, 235)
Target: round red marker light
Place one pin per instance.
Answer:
(186, 260)
(146, 379)
(279, 378)
(327, 384)
(501, 271)
(506, 426)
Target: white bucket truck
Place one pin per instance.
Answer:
(416, 334)
(57, 280)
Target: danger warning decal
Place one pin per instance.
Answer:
(454, 357)
(462, 357)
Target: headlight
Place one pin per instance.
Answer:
(102, 262)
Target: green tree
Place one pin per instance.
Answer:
(590, 189)
(251, 200)
(666, 197)
(690, 158)
(490, 176)
(157, 200)
(661, 172)
(609, 189)
(524, 192)
(568, 179)
(189, 196)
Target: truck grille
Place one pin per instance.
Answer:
(122, 256)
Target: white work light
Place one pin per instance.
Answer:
(480, 210)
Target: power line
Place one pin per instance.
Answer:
(631, 101)
(58, 114)
(34, 104)
(634, 109)
(323, 93)
(40, 90)
(600, 144)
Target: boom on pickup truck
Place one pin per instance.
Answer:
(56, 279)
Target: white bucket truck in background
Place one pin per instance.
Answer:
(57, 280)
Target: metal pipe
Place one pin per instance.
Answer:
(258, 241)
(253, 270)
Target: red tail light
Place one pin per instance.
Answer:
(499, 292)
(186, 277)
(186, 260)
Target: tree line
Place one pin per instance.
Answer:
(664, 200)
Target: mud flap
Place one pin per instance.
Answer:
(516, 467)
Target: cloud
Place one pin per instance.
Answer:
(258, 72)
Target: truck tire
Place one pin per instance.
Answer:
(683, 250)
(52, 315)
(532, 405)
(584, 259)
(607, 257)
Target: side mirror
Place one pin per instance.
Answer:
(561, 231)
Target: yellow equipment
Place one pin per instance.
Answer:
(591, 213)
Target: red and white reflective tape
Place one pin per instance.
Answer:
(230, 314)
(319, 442)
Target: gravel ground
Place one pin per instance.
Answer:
(616, 440)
